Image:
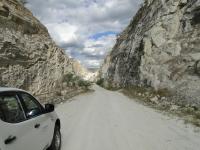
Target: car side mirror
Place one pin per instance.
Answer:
(49, 108)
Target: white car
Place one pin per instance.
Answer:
(25, 124)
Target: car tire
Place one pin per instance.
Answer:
(57, 141)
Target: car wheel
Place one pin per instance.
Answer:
(56, 142)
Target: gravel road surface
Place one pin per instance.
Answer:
(106, 120)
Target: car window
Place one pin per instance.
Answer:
(32, 107)
(10, 109)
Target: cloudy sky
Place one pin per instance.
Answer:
(86, 29)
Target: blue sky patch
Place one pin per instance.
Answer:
(102, 34)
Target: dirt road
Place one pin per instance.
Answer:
(106, 120)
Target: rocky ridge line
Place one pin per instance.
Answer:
(29, 58)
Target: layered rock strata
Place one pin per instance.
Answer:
(161, 49)
(29, 58)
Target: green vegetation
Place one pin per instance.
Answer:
(74, 81)
(68, 78)
(83, 83)
(100, 82)
(107, 86)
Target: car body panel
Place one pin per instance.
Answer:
(27, 136)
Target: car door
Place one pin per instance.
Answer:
(38, 119)
(16, 132)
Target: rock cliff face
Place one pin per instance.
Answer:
(160, 48)
(29, 58)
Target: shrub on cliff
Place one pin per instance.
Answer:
(100, 82)
(83, 83)
(68, 78)
(74, 80)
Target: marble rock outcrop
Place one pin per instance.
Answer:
(29, 58)
(160, 48)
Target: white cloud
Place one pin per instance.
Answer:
(72, 22)
(63, 32)
(92, 63)
(101, 45)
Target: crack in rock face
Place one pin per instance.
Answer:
(197, 67)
